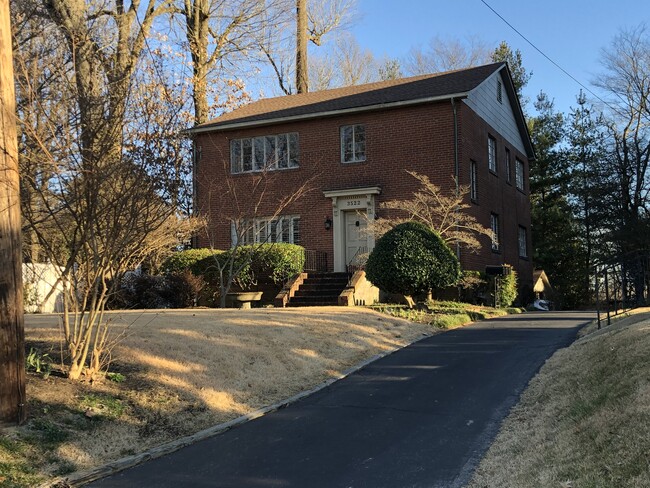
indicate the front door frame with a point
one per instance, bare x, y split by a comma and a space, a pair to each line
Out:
350, 199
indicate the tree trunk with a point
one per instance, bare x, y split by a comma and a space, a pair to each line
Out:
12, 333
302, 79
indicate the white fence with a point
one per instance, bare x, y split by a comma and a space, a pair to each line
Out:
39, 280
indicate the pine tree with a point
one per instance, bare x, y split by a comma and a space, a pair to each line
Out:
555, 234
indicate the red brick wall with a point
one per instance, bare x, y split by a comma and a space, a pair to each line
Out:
418, 138
496, 195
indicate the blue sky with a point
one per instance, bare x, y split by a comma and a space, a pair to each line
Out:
571, 32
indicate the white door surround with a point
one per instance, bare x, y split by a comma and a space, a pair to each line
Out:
357, 201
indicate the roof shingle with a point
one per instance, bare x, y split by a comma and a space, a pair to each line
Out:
414, 88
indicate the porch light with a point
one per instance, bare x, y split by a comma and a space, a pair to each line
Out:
328, 223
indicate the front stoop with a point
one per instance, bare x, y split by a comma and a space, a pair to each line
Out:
319, 289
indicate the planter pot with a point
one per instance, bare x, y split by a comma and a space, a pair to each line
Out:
243, 299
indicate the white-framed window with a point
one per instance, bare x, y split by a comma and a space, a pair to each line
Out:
266, 230
494, 225
473, 181
280, 151
519, 174
522, 240
507, 167
353, 143
492, 154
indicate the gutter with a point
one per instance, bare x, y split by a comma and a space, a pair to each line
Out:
317, 115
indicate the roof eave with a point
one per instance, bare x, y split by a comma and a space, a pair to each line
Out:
316, 115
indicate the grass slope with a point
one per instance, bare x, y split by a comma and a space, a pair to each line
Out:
178, 372
584, 420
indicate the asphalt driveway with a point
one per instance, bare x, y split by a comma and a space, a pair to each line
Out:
421, 417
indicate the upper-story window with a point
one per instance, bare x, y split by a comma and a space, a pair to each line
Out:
519, 174
496, 228
353, 143
507, 166
522, 241
264, 153
492, 154
473, 182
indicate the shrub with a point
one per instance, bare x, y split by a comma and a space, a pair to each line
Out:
139, 290
276, 262
279, 262
508, 290
186, 260
412, 259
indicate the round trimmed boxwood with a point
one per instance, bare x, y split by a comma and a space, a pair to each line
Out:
411, 259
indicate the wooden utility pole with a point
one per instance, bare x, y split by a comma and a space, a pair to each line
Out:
12, 332
302, 77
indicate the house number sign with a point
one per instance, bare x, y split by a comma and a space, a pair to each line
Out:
353, 203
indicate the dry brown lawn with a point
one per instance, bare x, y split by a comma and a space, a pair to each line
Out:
185, 371
584, 420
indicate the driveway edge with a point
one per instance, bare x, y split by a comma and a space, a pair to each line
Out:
83, 477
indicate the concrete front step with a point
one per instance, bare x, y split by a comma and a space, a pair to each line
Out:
319, 289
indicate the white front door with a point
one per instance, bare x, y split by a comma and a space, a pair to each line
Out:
356, 237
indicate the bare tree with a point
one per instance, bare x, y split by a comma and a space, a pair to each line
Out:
626, 81
104, 179
218, 34
302, 82
346, 64
443, 212
280, 45
446, 55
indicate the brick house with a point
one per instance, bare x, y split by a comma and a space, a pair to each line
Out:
353, 145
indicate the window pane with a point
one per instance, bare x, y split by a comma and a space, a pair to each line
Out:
247, 154
282, 151
519, 174
294, 154
347, 152
494, 225
262, 231
269, 152
258, 153
235, 156
285, 223
523, 248
473, 183
359, 143
492, 154
295, 230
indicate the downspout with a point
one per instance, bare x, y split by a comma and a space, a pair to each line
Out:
456, 162
196, 156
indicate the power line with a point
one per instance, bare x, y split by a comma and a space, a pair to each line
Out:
615, 109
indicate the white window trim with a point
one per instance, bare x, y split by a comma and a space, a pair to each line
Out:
239, 169
354, 129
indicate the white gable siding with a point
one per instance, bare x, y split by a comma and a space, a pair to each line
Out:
483, 100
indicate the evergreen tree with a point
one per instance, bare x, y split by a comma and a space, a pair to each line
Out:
555, 234
520, 76
589, 188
